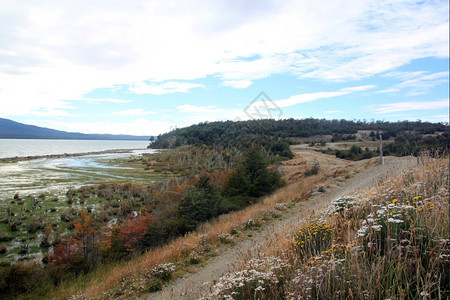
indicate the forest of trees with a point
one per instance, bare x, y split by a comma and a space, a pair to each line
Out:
277, 135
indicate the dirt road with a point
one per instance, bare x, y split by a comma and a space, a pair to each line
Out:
191, 286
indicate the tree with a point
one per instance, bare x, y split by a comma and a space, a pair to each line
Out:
199, 204
133, 230
85, 236
252, 177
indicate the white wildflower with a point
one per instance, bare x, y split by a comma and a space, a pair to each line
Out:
377, 227
395, 221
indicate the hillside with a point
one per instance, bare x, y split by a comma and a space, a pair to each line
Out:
190, 221
365, 175
407, 137
260, 237
13, 130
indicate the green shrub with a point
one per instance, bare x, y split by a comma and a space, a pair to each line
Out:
315, 169
155, 286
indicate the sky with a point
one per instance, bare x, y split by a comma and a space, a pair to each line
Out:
147, 67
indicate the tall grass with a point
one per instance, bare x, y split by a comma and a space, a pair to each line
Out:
109, 280
386, 242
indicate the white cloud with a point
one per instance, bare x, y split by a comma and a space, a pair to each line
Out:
133, 112
297, 99
263, 107
163, 88
389, 90
188, 108
332, 111
55, 113
54, 52
238, 84
196, 114
409, 105
404, 75
359, 88
108, 100
416, 83
304, 98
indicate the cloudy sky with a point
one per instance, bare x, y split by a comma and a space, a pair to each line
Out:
144, 67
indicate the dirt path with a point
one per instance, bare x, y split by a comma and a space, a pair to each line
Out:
190, 286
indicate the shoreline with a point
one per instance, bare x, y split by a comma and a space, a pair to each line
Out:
33, 157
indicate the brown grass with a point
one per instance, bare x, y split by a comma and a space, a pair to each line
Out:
108, 277
405, 262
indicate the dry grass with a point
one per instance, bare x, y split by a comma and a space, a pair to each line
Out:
388, 241
106, 278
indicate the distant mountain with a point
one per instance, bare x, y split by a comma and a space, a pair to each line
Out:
13, 130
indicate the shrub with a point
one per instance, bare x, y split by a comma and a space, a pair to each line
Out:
313, 239
194, 258
164, 271
66, 217
5, 238
341, 204
225, 238
154, 286
16, 279
13, 225
260, 279
315, 169
35, 224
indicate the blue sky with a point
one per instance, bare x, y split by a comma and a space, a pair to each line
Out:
145, 67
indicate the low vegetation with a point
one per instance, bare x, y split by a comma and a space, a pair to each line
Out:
386, 242
118, 239
132, 218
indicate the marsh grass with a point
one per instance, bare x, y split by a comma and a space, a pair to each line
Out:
25, 207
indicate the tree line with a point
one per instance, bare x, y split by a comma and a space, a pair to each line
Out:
276, 135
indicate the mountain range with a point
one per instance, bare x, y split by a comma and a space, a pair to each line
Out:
14, 130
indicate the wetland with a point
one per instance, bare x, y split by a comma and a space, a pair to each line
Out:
38, 204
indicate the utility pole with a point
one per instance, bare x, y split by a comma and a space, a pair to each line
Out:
381, 151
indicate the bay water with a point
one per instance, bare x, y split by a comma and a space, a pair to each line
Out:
33, 147
56, 174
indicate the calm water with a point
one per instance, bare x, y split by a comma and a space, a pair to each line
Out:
57, 174
28, 147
